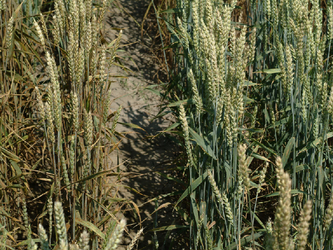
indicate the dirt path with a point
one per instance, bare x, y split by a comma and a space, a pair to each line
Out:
139, 152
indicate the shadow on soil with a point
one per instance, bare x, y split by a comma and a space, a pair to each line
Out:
128, 16
147, 157
144, 154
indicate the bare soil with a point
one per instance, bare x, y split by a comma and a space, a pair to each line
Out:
141, 152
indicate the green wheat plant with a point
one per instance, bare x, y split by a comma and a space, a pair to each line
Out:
214, 53
294, 99
252, 85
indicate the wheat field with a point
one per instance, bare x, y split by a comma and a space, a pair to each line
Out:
251, 93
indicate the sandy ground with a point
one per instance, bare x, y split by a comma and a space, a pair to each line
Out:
139, 151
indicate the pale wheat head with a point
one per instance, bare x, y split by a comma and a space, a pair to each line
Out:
183, 120
60, 223
283, 212
328, 214
43, 237
114, 240
9, 32
84, 241
39, 33
88, 128
303, 225
242, 166
135, 239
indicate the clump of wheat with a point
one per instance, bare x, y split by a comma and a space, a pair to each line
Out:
216, 54
83, 70
111, 241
